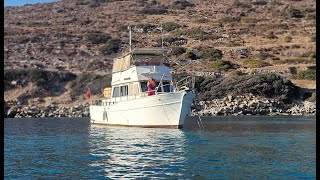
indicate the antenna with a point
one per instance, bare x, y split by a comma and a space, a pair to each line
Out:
129, 28
161, 36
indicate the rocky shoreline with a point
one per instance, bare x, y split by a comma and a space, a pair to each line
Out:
230, 105
31, 111
252, 105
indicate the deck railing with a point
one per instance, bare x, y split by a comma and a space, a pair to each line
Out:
185, 84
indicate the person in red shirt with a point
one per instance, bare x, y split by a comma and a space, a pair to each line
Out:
151, 87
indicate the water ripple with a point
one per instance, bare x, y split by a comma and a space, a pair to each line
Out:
238, 149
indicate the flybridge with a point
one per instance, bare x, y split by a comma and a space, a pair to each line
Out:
154, 56
141, 73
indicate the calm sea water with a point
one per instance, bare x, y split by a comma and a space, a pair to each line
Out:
228, 148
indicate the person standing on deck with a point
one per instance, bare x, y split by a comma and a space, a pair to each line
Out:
151, 87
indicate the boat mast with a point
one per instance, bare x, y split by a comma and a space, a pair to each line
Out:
129, 37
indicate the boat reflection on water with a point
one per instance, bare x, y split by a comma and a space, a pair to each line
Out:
138, 152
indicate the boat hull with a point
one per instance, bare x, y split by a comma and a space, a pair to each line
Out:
167, 110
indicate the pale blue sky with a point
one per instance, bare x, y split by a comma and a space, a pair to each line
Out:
23, 2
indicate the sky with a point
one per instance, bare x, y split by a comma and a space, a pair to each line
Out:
23, 2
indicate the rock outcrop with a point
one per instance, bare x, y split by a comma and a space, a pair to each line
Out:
251, 105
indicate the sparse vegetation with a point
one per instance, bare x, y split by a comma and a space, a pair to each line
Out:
296, 61
313, 38
307, 74
169, 41
195, 33
145, 27
230, 19
96, 83
43, 79
37, 24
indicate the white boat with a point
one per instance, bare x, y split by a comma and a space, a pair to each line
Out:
128, 103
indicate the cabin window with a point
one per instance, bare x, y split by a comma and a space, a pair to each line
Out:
116, 92
166, 86
144, 87
124, 90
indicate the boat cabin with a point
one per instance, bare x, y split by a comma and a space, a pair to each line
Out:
130, 81
133, 82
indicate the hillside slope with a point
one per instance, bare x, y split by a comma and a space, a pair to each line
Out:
78, 35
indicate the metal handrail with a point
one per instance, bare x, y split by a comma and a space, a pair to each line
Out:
186, 83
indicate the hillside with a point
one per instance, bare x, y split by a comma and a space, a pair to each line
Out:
77, 35
205, 36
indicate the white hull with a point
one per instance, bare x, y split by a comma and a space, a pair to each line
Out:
167, 110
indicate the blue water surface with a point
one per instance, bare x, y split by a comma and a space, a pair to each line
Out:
227, 148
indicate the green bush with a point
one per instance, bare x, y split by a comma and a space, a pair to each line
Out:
211, 53
259, 2
181, 4
271, 36
111, 46
307, 74
98, 37
313, 97
177, 50
170, 26
255, 63
219, 65
152, 11
191, 55
238, 4
288, 39
296, 13
295, 46
229, 19
263, 55
82, 2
